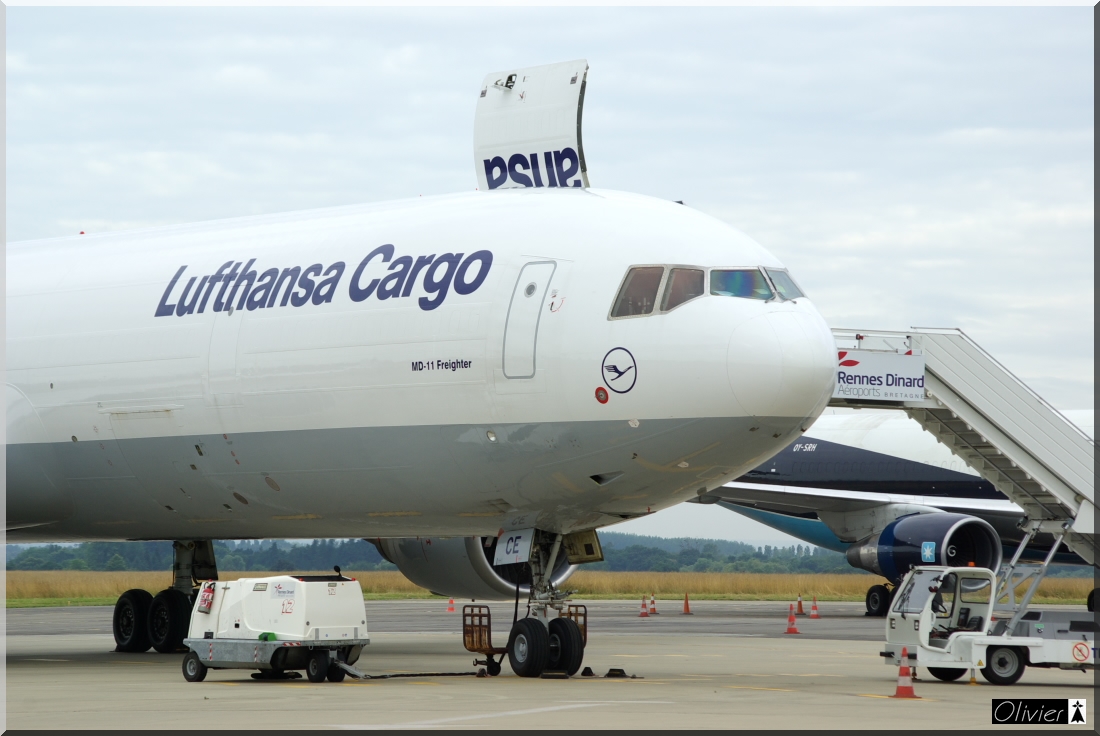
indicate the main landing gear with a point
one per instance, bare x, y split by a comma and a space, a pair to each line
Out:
142, 620
878, 599
541, 642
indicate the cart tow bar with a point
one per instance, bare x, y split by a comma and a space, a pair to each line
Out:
350, 670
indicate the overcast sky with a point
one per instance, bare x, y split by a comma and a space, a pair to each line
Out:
928, 167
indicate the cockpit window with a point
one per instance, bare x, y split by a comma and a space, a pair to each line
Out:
684, 284
638, 294
784, 284
746, 283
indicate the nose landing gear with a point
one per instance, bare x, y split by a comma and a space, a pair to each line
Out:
538, 643
564, 642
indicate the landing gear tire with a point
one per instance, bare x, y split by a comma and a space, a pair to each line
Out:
169, 617
566, 646
336, 674
1005, 665
317, 666
945, 673
528, 647
193, 668
129, 622
1090, 602
878, 600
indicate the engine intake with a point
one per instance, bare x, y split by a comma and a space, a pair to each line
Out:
955, 540
462, 567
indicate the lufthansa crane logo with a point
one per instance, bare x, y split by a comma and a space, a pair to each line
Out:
620, 372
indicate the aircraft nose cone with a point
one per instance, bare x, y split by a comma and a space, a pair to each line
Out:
781, 363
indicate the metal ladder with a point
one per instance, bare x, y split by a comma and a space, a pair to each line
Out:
998, 426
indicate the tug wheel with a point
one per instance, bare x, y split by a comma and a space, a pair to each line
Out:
336, 674
1004, 665
946, 674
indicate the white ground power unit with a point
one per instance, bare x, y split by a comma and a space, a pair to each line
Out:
316, 623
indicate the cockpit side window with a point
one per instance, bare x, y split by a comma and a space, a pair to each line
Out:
638, 294
684, 284
784, 284
747, 283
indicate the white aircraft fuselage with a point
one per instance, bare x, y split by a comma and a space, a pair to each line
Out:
437, 366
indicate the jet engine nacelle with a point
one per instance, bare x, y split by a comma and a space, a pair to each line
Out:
462, 567
928, 539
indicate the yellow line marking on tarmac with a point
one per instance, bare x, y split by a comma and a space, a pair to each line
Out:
747, 687
782, 674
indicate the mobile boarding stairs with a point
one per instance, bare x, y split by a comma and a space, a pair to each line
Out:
998, 426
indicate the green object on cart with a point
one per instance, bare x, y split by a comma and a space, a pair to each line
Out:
267, 636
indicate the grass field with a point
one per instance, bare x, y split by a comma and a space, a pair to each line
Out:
61, 588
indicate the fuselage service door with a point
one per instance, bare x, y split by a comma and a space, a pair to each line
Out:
524, 311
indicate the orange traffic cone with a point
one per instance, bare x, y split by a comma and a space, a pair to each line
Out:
451, 606
687, 606
652, 605
800, 612
645, 611
791, 628
813, 609
905, 682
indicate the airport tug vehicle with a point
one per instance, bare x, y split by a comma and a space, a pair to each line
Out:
951, 621
275, 625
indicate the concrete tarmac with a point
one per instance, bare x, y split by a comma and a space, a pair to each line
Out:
728, 666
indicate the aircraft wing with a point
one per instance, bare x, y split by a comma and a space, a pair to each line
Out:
803, 500
835, 518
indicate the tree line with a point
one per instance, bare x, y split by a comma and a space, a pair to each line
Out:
232, 556
622, 552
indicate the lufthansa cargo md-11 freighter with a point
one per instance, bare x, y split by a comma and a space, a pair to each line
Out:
433, 373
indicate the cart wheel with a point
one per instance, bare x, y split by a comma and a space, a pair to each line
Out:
1005, 665
317, 666
493, 666
336, 674
1090, 602
193, 668
945, 673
